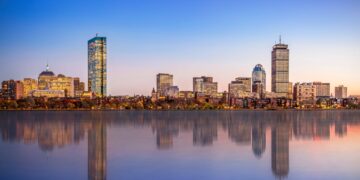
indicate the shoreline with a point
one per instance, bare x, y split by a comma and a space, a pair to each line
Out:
167, 110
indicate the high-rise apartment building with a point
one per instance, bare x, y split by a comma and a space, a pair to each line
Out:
12, 89
340, 92
163, 82
97, 71
280, 70
205, 84
259, 76
246, 81
305, 93
322, 89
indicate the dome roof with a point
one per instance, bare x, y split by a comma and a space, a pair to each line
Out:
47, 73
259, 67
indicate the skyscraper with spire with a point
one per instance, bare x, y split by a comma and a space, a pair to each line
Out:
280, 70
97, 66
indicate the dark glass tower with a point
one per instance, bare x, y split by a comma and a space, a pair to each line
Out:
97, 66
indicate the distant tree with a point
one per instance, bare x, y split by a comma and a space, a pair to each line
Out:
70, 105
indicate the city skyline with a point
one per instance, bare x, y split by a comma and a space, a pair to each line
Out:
327, 51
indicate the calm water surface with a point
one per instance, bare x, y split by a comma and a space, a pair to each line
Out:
180, 145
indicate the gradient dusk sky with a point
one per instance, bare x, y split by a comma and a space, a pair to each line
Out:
224, 39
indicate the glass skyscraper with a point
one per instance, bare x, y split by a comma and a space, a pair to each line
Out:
280, 69
259, 76
97, 66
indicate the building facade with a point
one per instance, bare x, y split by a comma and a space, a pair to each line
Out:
79, 87
29, 85
280, 70
205, 85
259, 76
12, 90
163, 81
49, 93
237, 89
258, 89
246, 81
340, 92
97, 71
172, 91
322, 89
305, 94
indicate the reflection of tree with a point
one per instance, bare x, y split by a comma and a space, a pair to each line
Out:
97, 151
280, 148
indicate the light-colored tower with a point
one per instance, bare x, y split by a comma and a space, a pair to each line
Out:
340, 92
259, 76
163, 81
280, 69
97, 66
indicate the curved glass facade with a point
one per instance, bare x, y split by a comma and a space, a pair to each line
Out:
259, 76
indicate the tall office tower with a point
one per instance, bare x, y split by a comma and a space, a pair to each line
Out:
205, 84
163, 81
340, 92
97, 66
259, 76
280, 69
322, 89
29, 86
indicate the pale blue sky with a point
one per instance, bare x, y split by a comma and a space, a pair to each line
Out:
223, 39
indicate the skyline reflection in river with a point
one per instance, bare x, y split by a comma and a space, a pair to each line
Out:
180, 145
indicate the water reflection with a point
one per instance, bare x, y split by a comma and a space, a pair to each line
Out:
97, 150
51, 130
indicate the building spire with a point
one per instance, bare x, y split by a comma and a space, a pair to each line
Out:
280, 39
47, 66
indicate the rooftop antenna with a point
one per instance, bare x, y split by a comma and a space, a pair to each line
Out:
47, 66
280, 39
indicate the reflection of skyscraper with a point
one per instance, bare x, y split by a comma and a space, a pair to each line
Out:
340, 129
164, 139
97, 151
240, 132
204, 133
322, 130
165, 132
258, 139
280, 149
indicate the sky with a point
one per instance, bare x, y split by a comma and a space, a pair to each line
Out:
224, 39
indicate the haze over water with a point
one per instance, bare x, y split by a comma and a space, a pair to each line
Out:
180, 145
